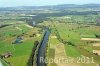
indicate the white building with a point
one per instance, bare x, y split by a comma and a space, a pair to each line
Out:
34, 23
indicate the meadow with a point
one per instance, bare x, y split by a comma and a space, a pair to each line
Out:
20, 51
72, 29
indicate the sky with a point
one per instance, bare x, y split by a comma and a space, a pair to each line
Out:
13, 3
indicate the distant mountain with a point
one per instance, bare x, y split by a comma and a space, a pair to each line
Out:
63, 6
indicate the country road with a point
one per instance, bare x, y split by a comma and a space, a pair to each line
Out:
42, 49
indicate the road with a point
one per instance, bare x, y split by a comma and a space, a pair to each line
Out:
42, 49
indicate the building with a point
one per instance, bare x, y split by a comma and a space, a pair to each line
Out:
34, 23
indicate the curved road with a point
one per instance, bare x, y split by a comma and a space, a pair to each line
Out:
42, 49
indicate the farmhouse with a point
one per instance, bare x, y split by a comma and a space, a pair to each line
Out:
96, 52
34, 23
6, 55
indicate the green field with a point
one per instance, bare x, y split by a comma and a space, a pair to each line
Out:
20, 51
74, 31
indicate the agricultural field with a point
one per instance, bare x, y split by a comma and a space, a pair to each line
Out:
72, 39
67, 33
20, 49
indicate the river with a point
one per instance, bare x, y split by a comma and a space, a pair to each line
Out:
42, 49
1, 64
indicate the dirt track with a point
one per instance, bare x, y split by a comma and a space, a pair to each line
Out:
28, 26
97, 44
90, 39
53, 36
60, 53
18, 28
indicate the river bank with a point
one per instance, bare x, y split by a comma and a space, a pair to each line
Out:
1, 64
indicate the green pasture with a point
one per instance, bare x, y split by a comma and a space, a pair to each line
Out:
20, 51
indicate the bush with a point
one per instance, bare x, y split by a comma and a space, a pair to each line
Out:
97, 36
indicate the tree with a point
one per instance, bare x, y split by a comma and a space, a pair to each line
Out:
97, 36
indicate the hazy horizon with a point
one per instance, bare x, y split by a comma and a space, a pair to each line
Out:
14, 3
